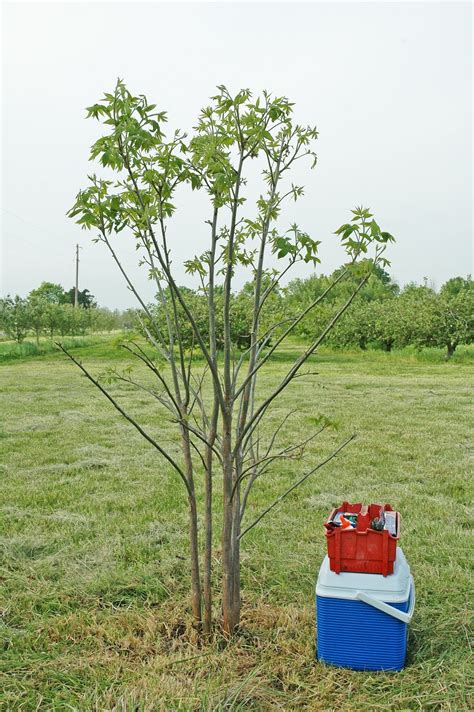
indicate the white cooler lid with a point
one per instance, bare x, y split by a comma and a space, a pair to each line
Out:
394, 588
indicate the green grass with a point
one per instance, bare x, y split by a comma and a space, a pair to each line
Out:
94, 578
12, 351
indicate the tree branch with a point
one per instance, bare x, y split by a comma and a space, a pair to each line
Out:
297, 484
128, 417
288, 331
302, 359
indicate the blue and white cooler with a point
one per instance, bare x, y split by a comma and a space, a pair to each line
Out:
362, 619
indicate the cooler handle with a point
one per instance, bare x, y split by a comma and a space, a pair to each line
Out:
386, 608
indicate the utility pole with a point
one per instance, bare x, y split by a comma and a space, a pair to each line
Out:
76, 290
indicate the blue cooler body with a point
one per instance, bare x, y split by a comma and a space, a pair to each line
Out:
362, 619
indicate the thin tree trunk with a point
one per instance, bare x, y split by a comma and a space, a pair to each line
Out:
236, 595
207, 578
228, 569
230, 621
195, 578
196, 592
237, 468
208, 522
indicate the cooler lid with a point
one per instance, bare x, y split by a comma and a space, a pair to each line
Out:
394, 588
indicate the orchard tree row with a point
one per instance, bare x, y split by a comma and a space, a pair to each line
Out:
49, 311
386, 317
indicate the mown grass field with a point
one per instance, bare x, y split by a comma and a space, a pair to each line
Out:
94, 570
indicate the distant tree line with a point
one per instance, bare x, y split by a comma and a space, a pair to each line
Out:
387, 317
240, 313
49, 311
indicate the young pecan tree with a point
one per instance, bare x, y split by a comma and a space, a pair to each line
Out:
221, 435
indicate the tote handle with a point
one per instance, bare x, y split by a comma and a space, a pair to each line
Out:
390, 610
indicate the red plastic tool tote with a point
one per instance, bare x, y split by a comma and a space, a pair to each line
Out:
362, 549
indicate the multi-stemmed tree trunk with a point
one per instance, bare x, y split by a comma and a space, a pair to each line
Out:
223, 433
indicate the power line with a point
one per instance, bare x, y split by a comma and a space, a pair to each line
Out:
38, 226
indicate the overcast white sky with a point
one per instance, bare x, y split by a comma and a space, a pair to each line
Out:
387, 84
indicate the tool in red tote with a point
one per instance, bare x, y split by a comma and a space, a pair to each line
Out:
362, 538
